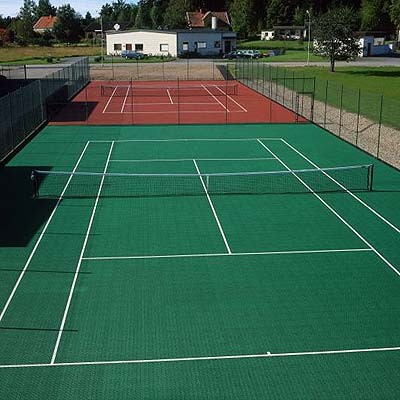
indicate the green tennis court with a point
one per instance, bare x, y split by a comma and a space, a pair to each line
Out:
194, 262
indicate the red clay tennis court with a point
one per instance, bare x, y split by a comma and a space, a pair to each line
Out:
171, 102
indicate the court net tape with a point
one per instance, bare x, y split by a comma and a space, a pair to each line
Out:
171, 90
87, 184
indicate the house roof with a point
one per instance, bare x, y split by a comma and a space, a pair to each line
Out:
197, 19
107, 26
46, 22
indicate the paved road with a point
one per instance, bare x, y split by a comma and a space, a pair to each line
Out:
362, 62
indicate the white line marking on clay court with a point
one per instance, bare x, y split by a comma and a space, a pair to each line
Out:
78, 267
212, 208
41, 236
344, 188
205, 358
124, 102
175, 112
333, 211
216, 99
170, 98
109, 101
229, 97
259, 253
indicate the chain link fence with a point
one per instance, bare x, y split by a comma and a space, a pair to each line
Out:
25, 108
367, 120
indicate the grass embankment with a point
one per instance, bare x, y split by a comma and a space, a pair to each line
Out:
39, 55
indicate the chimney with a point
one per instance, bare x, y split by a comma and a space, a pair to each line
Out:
214, 23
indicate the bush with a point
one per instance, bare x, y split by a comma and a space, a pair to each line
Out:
49, 59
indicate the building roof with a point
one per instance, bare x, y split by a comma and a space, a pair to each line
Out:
46, 22
175, 31
197, 19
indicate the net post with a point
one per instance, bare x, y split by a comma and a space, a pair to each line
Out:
370, 177
35, 184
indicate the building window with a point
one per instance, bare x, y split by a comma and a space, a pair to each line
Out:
138, 46
117, 46
201, 45
164, 47
128, 46
185, 46
217, 44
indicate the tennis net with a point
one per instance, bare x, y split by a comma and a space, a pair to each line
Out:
170, 90
87, 184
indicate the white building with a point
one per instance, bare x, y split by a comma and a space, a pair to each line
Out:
205, 42
370, 46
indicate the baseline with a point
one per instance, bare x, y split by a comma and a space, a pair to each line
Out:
268, 354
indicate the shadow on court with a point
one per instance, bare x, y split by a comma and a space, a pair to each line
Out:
22, 216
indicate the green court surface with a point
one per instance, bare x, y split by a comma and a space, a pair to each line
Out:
115, 289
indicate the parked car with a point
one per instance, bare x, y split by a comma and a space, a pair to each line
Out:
234, 54
252, 54
133, 55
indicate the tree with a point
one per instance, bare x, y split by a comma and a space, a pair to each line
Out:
395, 13
175, 14
245, 17
375, 15
88, 19
333, 33
45, 8
67, 28
27, 17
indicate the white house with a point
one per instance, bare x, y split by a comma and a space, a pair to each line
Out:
267, 35
206, 42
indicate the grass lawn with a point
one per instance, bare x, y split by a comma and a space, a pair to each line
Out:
38, 55
272, 44
373, 82
292, 56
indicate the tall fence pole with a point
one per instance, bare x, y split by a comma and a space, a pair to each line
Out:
326, 102
379, 127
341, 110
358, 115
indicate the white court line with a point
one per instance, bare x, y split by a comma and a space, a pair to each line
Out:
170, 98
229, 97
168, 104
205, 358
186, 140
213, 209
124, 102
344, 188
332, 210
198, 159
259, 253
41, 236
174, 112
109, 100
216, 99
78, 267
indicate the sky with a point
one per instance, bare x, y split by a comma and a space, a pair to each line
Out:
11, 8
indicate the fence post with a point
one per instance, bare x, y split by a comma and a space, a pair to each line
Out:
226, 102
326, 101
132, 104
358, 115
11, 120
379, 128
178, 108
340, 112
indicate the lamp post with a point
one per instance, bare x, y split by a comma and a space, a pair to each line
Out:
102, 41
309, 37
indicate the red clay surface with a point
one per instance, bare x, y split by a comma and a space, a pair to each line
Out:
214, 102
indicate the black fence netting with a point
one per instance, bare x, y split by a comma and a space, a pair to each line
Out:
27, 105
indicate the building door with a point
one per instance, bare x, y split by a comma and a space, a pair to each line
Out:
128, 46
227, 46
369, 50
